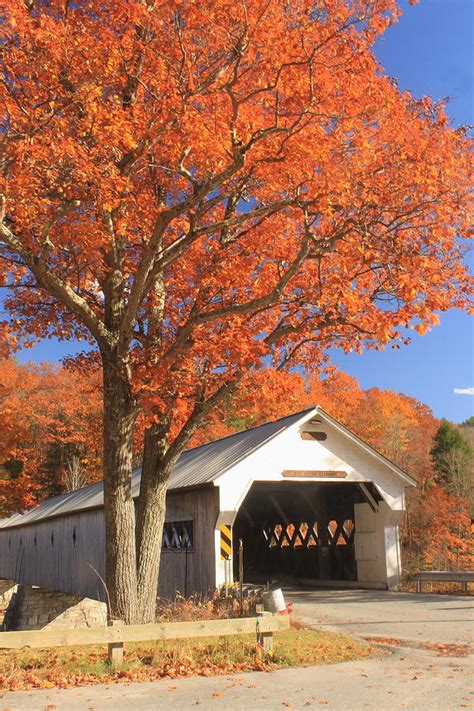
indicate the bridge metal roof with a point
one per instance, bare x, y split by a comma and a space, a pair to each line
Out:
195, 467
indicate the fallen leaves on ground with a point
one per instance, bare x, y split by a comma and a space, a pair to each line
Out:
63, 668
441, 649
448, 650
391, 641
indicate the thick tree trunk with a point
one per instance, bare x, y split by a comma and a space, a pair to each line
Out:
151, 511
121, 568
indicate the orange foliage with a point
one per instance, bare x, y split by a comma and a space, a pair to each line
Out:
437, 531
145, 173
49, 672
197, 187
400, 427
50, 423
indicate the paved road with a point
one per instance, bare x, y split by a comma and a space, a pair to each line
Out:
407, 681
411, 616
406, 678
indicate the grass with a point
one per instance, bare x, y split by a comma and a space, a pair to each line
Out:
77, 666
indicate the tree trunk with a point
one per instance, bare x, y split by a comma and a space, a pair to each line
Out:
120, 552
150, 520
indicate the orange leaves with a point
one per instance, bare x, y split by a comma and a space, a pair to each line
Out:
210, 146
441, 542
431, 319
421, 328
383, 333
50, 422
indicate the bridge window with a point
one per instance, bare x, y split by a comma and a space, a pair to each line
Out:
178, 535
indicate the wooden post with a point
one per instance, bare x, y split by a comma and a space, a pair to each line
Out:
418, 586
264, 639
115, 649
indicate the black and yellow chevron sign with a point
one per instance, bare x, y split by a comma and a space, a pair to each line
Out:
226, 542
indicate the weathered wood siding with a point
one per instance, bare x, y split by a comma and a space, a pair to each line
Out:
64, 553
57, 553
191, 571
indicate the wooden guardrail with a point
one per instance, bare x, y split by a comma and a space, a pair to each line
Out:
118, 633
444, 576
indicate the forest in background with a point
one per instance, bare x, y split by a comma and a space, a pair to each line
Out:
51, 425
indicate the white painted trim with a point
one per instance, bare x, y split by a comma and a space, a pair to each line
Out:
370, 450
344, 431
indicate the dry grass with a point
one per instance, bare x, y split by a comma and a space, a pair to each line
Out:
213, 606
154, 660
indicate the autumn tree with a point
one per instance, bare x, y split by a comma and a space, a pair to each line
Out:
197, 188
400, 427
50, 422
267, 394
439, 534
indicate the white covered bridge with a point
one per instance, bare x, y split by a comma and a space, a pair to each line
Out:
308, 499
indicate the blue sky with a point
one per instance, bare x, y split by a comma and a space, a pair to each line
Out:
430, 52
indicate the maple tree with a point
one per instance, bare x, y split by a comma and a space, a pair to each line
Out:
437, 533
195, 188
267, 394
49, 424
402, 428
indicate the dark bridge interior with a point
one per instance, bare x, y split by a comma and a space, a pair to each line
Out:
301, 530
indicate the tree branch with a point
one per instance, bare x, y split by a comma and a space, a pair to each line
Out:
57, 287
201, 409
155, 256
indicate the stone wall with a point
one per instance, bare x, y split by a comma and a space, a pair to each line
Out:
32, 608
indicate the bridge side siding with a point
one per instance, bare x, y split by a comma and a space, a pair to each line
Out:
67, 553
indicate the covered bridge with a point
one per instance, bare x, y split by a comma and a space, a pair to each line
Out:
308, 498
